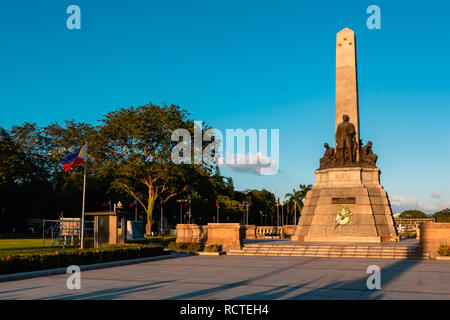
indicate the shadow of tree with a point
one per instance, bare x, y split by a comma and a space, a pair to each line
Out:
210, 291
109, 294
349, 290
357, 289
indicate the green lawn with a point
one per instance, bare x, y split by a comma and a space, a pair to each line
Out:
23, 243
8, 246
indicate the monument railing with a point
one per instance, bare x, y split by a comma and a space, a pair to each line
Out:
413, 221
265, 231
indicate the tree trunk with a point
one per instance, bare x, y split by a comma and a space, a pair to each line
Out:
148, 228
150, 205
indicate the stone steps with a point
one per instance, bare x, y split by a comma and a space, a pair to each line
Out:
330, 251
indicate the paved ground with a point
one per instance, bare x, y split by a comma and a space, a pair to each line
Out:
245, 277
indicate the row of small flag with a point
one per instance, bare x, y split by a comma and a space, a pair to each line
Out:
79, 157
158, 204
133, 203
108, 203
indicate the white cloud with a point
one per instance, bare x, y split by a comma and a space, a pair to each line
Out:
435, 195
400, 204
257, 163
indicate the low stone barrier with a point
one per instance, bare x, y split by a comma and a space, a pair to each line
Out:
229, 235
191, 233
289, 230
250, 231
432, 236
284, 232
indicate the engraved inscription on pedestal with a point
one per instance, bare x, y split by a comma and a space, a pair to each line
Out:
343, 200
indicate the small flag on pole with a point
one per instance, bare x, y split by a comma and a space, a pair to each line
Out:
106, 203
73, 158
217, 204
134, 203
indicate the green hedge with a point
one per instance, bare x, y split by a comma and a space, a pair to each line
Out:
12, 263
444, 251
194, 247
163, 240
186, 246
213, 248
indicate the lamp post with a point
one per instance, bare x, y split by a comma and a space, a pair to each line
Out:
244, 207
181, 201
278, 214
218, 207
247, 210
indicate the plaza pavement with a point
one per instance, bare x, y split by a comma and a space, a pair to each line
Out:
245, 277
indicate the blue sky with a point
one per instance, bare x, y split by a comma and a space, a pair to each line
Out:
245, 64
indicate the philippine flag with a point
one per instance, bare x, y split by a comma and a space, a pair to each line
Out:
134, 203
73, 158
106, 203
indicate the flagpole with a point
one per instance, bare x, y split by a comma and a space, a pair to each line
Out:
162, 219
84, 199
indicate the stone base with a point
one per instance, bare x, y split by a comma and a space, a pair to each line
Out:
229, 235
250, 231
433, 235
356, 188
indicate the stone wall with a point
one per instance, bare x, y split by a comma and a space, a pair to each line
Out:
191, 233
229, 235
250, 232
288, 230
432, 236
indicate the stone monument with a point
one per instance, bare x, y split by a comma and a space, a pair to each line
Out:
347, 202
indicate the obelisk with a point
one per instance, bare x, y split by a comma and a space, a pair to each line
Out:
347, 80
347, 202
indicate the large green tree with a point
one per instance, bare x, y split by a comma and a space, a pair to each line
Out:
134, 146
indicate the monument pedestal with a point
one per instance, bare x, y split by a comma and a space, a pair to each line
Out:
346, 204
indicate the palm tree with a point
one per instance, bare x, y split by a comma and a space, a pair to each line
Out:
303, 191
294, 200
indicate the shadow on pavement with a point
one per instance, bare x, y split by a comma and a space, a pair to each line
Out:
110, 294
200, 294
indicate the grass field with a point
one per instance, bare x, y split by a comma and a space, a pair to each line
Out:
23, 243
8, 246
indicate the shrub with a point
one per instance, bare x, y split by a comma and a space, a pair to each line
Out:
408, 235
186, 246
163, 240
213, 248
22, 262
444, 251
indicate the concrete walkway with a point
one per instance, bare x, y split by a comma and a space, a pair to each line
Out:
234, 277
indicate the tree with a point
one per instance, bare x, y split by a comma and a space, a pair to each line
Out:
294, 202
413, 214
262, 202
135, 146
442, 216
304, 190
